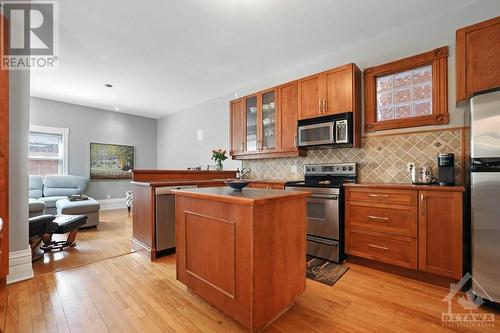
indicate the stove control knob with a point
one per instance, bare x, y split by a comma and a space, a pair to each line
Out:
350, 168
313, 169
344, 168
308, 169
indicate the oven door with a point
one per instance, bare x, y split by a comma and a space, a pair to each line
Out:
316, 134
323, 215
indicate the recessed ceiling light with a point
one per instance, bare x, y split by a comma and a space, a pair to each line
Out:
108, 85
117, 108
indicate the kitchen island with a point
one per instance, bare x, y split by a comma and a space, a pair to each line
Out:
243, 252
147, 220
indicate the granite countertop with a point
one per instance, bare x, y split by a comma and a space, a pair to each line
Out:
408, 186
250, 196
177, 182
194, 182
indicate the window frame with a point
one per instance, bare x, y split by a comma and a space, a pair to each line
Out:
438, 58
64, 132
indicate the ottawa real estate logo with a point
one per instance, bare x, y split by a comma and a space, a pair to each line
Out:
29, 35
469, 316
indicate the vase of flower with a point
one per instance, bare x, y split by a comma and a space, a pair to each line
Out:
219, 155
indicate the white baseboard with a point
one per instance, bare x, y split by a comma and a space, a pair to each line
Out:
20, 267
108, 204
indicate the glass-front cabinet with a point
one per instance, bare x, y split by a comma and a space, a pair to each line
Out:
251, 120
261, 117
268, 120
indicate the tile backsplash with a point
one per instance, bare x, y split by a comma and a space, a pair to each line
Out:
381, 158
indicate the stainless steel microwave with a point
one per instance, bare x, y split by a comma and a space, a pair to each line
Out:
333, 131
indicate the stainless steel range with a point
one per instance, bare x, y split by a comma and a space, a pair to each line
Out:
325, 207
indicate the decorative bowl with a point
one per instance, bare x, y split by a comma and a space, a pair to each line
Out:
236, 184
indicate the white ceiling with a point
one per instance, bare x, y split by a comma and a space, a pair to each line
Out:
163, 56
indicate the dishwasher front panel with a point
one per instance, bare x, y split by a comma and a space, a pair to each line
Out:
165, 217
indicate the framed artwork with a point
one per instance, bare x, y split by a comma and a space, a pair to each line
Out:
109, 161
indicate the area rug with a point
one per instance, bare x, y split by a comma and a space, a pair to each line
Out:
324, 271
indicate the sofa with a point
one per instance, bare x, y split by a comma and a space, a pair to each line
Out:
51, 193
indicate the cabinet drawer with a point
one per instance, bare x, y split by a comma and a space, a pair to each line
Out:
390, 219
274, 186
396, 250
398, 197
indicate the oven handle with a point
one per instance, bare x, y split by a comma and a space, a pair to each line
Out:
325, 196
322, 240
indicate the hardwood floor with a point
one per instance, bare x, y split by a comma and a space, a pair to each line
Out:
110, 239
130, 294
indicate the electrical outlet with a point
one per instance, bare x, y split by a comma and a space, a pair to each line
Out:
108, 196
293, 169
409, 166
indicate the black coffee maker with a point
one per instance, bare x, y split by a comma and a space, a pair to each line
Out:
446, 169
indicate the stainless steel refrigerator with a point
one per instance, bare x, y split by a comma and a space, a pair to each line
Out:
485, 194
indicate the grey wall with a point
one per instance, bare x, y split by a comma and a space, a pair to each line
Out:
406, 41
178, 145
19, 92
88, 125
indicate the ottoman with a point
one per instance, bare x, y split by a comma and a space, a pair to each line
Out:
36, 207
63, 224
89, 208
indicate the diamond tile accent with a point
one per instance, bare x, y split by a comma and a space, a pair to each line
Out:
381, 158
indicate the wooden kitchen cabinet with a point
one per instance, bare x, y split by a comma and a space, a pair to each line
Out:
288, 116
412, 226
261, 116
440, 233
237, 129
477, 58
331, 92
267, 184
268, 124
311, 96
268, 119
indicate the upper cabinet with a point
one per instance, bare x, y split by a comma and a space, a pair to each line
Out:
477, 58
264, 124
237, 123
334, 91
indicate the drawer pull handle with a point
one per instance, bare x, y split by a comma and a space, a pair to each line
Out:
371, 217
378, 195
378, 247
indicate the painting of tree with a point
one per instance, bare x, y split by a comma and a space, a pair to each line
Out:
108, 161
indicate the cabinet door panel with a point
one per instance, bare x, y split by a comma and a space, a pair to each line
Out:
251, 129
310, 97
288, 115
339, 91
440, 233
237, 127
477, 60
268, 128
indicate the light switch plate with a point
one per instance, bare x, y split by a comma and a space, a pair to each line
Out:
409, 166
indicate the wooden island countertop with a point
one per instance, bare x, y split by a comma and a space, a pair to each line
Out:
243, 252
248, 196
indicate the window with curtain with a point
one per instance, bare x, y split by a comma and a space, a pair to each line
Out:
47, 151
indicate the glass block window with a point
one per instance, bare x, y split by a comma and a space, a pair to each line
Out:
405, 94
